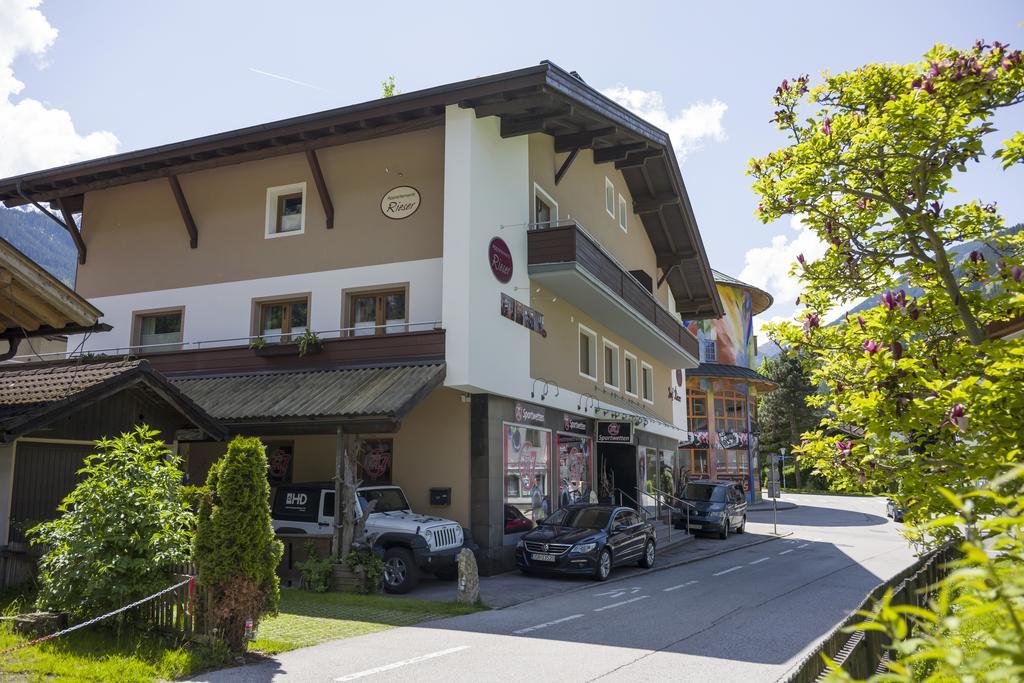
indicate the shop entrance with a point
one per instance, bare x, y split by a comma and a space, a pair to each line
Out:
617, 463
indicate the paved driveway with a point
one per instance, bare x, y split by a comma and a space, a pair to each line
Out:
746, 615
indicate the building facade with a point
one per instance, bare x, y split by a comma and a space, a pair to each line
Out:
721, 393
479, 287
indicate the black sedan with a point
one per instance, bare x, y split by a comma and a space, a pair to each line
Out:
587, 539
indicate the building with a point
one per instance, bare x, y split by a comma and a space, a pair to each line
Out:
721, 393
479, 286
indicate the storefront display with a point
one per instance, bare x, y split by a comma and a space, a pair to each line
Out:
527, 464
375, 463
575, 469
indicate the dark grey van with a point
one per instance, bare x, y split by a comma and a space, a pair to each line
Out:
716, 507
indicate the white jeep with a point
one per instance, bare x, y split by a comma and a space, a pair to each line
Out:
408, 542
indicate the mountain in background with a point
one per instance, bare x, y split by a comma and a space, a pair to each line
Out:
42, 240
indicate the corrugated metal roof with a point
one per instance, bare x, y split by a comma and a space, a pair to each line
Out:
762, 299
736, 372
387, 392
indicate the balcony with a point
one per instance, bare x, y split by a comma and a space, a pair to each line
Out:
571, 263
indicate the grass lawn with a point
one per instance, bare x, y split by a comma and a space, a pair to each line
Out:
311, 618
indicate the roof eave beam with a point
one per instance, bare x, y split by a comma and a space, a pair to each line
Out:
565, 165
186, 213
618, 152
72, 228
321, 187
637, 158
582, 140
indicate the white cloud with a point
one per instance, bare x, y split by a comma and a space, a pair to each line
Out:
689, 129
32, 135
769, 268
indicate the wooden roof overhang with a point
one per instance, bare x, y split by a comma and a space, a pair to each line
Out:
538, 99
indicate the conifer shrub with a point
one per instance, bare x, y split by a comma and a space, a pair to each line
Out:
235, 551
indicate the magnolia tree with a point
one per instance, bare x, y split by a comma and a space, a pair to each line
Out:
870, 168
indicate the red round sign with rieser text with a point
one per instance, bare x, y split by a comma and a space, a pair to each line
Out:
500, 258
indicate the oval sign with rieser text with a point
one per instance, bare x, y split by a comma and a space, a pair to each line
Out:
500, 258
401, 202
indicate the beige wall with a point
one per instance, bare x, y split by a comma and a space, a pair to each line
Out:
138, 242
556, 357
580, 195
431, 449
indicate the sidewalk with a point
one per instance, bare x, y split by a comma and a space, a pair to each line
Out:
766, 505
513, 588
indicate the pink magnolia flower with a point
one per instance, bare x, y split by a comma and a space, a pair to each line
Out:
861, 322
801, 259
1017, 272
826, 126
872, 346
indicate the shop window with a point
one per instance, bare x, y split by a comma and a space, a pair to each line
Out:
609, 197
610, 352
286, 210
161, 329
710, 351
527, 464
279, 463
375, 461
647, 382
545, 209
630, 367
623, 221
698, 461
282, 320
378, 312
575, 469
588, 353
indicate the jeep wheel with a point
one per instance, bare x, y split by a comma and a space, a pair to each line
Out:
400, 572
448, 573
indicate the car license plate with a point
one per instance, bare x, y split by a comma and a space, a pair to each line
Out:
541, 557
695, 526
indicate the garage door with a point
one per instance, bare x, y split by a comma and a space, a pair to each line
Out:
44, 473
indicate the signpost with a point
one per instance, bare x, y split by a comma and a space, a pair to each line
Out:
773, 490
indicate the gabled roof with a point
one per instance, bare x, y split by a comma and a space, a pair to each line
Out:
32, 397
331, 395
538, 99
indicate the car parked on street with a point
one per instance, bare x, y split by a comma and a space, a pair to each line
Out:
716, 507
408, 542
589, 540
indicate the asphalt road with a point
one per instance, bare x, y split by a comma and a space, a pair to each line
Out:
748, 615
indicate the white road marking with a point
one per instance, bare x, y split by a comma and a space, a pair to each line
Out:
786, 551
546, 624
620, 604
726, 571
682, 585
804, 545
404, 662
763, 559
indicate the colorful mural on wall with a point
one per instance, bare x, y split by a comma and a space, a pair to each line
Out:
733, 332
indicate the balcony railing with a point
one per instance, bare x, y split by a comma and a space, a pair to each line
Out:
569, 242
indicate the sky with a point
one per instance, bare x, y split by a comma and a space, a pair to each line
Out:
80, 80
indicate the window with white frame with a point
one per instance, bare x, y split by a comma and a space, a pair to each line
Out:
286, 210
647, 382
630, 366
710, 351
611, 364
588, 353
623, 221
545, 208
609, 197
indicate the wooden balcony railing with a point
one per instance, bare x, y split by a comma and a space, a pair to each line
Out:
569, 242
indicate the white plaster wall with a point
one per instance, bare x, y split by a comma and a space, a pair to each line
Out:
224, 310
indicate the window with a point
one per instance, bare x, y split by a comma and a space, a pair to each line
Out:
280, 320
622, 213
697, 410
545, 209
647, 382
631, 376
374, 467
611, 364
588, 353
730, 412
710, 351
609, 197
286, 210
527, 464
159, 328
379, 312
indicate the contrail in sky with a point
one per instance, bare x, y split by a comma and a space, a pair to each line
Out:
289, 80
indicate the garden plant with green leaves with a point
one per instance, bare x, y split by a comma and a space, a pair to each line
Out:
871, 168
121, 531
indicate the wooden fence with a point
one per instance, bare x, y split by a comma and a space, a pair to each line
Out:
863, 653
181, 612
16, 568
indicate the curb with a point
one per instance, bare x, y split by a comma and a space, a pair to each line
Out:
657, 568
783, 505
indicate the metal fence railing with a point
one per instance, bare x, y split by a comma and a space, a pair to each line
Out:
863, 653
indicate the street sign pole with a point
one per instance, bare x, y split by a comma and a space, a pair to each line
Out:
773, 490
782, 458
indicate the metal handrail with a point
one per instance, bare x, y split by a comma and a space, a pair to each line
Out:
639, 507
679, 500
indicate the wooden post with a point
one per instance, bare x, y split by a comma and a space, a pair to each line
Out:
339, 490
349, 490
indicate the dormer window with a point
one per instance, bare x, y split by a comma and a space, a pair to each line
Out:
286, 210
710, 351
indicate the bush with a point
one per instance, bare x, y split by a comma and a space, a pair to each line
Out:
121, 531
370, 564
316, 570
235, 551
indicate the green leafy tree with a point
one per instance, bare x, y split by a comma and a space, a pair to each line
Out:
870, 167
235, 550
783, 414
389, 88
121, 530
